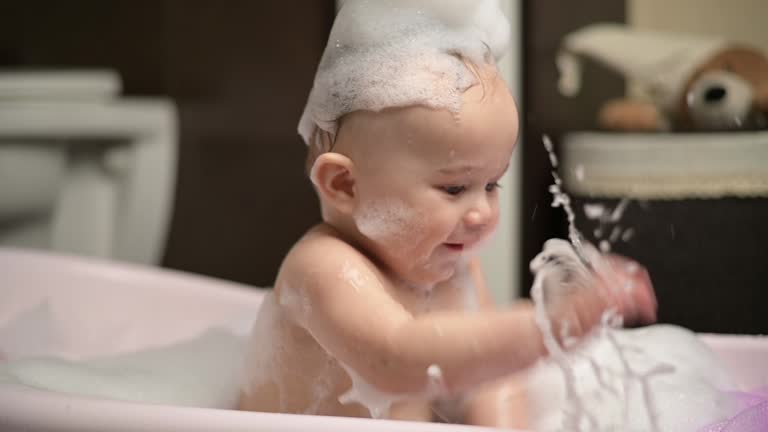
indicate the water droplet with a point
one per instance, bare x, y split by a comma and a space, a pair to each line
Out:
615, 233
594, 211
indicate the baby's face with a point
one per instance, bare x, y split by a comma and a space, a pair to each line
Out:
426, 179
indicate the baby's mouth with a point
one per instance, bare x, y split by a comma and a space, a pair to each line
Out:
458, 247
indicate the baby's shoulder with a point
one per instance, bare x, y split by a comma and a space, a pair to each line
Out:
322, 251
324, 270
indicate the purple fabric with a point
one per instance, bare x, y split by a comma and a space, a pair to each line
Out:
752, 417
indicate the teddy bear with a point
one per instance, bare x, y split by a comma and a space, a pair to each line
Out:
676, 82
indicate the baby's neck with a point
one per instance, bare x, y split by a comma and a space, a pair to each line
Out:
346, 230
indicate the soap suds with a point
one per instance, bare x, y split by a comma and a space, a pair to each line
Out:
395, 53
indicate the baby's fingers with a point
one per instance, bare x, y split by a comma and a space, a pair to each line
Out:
631, 283
644, 298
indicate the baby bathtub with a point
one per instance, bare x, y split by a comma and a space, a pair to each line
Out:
98, 297
163, 307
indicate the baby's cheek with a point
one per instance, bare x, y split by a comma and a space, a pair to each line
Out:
389, 221
442, 223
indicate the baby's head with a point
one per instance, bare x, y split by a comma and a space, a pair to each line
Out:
413, 179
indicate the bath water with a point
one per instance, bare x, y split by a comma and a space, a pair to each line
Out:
204, 371
561, 199
616, 365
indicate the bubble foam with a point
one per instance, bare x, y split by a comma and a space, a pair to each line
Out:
395, 53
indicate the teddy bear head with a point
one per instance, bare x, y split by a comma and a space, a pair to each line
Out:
727, 91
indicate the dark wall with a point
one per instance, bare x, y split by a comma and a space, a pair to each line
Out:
707, 258
239, 72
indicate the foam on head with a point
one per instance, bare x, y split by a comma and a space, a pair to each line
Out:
396, 53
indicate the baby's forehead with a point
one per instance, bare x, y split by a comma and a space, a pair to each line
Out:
402, 129
429, 139
482, 107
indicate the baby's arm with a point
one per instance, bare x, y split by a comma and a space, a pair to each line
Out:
355, 317
503, 403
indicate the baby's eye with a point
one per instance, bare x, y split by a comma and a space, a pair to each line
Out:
490, 187
453, 190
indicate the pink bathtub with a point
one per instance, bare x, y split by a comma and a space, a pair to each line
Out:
164, 307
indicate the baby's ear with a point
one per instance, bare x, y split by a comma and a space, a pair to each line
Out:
333, 177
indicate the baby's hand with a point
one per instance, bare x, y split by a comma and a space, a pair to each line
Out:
576, 297
629, 287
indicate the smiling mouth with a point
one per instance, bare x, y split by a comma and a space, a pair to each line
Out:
455, 246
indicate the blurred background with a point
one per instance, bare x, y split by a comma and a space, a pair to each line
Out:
238, 74
690, 213
181, 138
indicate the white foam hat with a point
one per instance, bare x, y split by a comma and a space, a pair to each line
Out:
395, 53
661, 63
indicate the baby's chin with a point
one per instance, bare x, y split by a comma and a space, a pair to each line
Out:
427, 280
433, 272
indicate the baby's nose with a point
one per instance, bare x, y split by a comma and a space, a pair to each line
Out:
479, 215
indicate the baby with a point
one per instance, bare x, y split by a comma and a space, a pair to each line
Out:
381, 310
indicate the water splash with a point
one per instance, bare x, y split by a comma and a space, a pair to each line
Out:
379, 403
561, 199
608, 221
577, 415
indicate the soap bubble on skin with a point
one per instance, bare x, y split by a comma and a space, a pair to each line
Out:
295, 300
385, 220
463, 281
399, 227
322, 388
379, 402
354, 276
259, 363
359, 277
